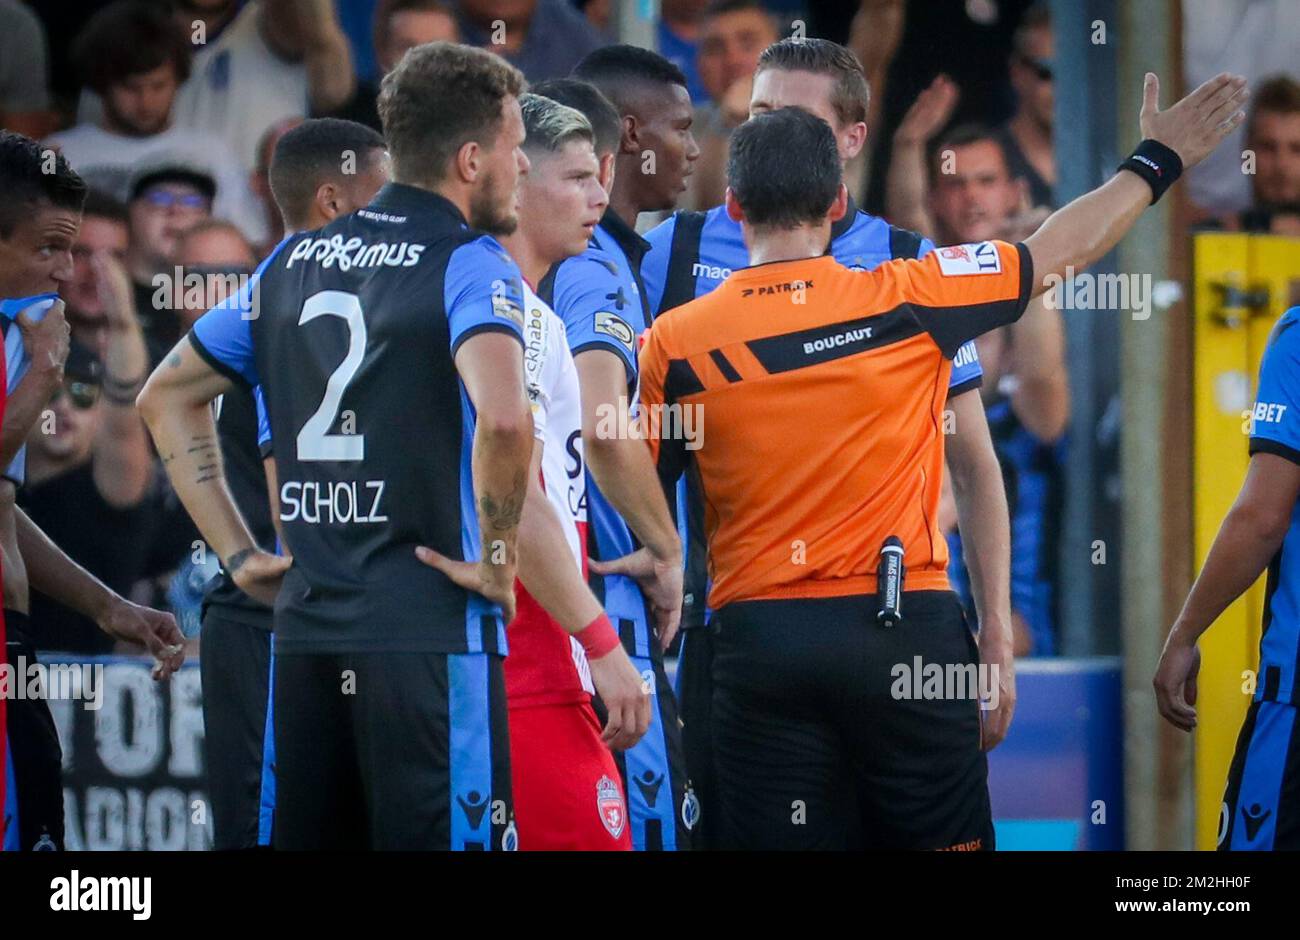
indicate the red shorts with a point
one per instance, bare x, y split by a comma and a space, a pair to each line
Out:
567, 792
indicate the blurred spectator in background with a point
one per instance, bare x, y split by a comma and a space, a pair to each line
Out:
1027, 137
399, 25
217, 252
256, 64
24, 72
103, 230
599, 13
968, 40
1254, 38
167, 200
261, 183
732, 36
1273, 135
90, 466
134, 56
542, 38
678, 35
973, 194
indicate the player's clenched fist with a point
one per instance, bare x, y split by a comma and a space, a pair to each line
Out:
1199, 122
626, 697
46, 340
496, 582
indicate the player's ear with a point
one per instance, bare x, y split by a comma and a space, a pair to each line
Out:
608, 163
840, 205
853, 140
467, 161
734, 212
327, 200
630, 142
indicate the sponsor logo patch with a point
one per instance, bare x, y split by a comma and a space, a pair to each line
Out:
977, 258
613, 325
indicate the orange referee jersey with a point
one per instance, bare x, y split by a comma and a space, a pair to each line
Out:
817, 394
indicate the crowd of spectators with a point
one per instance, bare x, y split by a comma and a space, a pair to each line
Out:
171, 110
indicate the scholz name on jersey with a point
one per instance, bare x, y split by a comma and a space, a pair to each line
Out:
332, 503
355, 253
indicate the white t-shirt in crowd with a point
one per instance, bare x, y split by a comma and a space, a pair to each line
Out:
107, 161
239, 89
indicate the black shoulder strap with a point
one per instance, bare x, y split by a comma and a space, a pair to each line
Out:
546, 287
679, 282
903, 243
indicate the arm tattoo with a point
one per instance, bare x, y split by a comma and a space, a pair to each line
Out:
504, 515
174, 361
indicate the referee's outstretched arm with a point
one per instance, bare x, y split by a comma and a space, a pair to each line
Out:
1179, 137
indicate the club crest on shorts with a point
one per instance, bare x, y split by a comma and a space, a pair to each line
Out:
690, 808
609, 803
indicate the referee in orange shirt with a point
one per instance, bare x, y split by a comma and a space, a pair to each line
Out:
819, 392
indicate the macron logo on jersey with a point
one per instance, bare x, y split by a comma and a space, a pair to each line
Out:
711, 271
963, 260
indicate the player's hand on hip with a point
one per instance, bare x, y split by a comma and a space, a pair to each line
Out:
47, 340
1198, 123
660, 582
1175, 682
152, 629
626, 697
496, 582
259, 574
998, 655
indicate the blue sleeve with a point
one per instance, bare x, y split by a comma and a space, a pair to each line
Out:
263, 423
483, 291
224, 335
1275, 419
927, 246
967, 373
654, 266
583, 288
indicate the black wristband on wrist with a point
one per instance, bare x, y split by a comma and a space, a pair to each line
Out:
1157, 164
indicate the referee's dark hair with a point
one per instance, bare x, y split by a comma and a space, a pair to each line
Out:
586, 97
773, 189
619, 71
314, 153
25, 182
850, 95
439, 97
130, 37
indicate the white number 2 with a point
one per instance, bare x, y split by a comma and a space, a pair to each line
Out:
314, 440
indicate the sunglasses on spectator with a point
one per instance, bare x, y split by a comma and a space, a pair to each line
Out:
82, 395
1042, 70
164, 199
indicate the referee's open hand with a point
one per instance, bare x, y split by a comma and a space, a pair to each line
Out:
1199, 122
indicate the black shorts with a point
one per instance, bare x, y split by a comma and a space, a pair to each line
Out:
1261, 808
819, 743
392, 751
36, 798
235, 666
695, 699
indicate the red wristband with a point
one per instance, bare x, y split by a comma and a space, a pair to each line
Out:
598, 637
